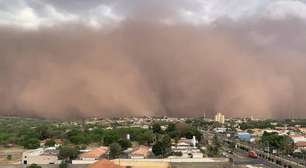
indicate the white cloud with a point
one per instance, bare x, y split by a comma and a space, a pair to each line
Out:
286, 8
24, 14
102, 15
56, 16
207, 11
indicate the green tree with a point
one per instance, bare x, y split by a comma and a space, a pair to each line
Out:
171, 127
172, 131
43, 132
156, 128
9, 157
145, 137
63, 164
162, 147
30, 143
192, 131
280, 142
79, 139
287, 146
110, 138
50, 142
124, 143
158, 149
114, 150
68, 152
216, 141
213, 150
166, 140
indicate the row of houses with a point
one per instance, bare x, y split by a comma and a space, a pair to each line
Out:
186, 147
50, 155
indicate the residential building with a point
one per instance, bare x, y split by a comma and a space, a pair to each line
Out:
188, 148
94, 154
297, 138
40, 156
219, 117
300, 145
140, 152
299, 141
220, 130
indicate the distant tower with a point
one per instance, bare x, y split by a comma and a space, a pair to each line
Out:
194, 141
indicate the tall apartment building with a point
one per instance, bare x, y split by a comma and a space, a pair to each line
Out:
219, 117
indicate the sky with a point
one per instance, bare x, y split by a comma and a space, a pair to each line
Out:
63, 58
32, 14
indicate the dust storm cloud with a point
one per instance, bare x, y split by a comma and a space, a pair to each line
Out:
140, 67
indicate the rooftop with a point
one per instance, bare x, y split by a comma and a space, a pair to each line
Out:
141, 150
95, 153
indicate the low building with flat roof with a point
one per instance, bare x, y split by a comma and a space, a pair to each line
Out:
40, 156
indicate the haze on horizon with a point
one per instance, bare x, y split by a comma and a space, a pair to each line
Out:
76, 58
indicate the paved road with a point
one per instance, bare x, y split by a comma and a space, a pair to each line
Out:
241, 158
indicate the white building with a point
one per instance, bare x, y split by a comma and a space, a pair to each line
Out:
40, 156
219, 117
298, 138
220, 130
188, 148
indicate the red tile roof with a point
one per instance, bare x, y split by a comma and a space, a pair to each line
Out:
300, 144
296, 135
96, 153
141, 150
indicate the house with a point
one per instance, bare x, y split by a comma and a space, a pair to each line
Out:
140, 152
297, 138
104, 164
299, 141
94, 154
300, 145
220, 130
40, 156
303, 130
187, 148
